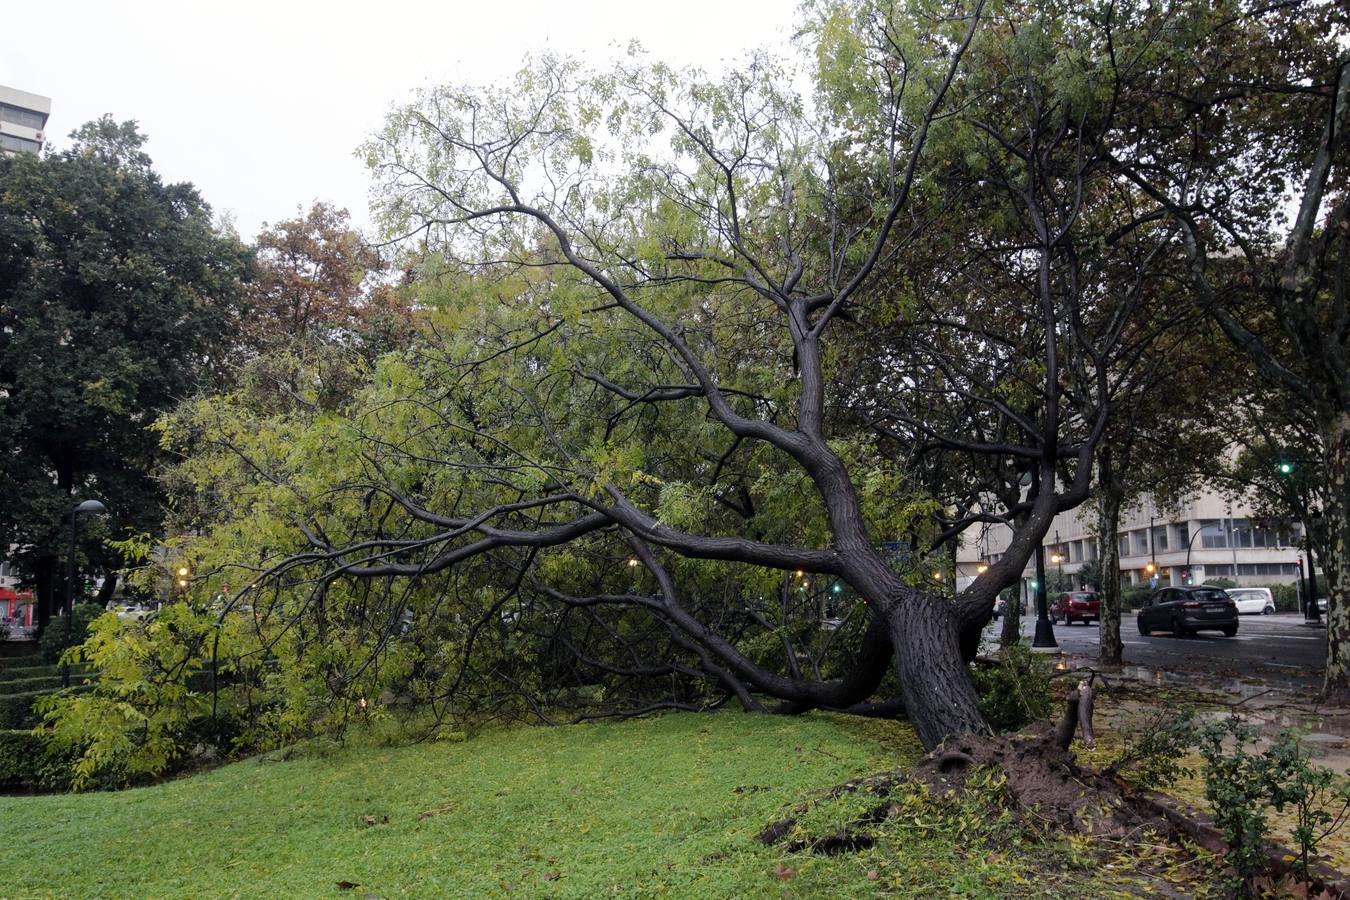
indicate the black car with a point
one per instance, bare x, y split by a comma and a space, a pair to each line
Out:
1186, 610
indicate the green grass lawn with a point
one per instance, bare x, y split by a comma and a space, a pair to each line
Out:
667, 805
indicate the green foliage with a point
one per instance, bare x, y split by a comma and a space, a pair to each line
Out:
32, 671
1155, 754
118, 299
1241, 785
1285, 596
1237, 788
1293, 781
24, 710
19, 662
29, 761
148, 707
1015, 689
53, 641
1224, 583
1134, 598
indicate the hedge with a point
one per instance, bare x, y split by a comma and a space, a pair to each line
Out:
17, 674
29, 761
16, 710
41, 683
20, 662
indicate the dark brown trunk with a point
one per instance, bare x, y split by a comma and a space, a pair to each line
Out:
1336, 558
1108, 523
44, 587
940, 700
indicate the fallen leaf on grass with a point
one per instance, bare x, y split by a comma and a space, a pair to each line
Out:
784, 871
372, 820
873, 874
552, 876
347, 885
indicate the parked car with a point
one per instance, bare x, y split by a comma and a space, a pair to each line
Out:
1253, 600
1076, 606
1186, 610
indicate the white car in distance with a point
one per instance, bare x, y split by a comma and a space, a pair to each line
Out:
1253, 600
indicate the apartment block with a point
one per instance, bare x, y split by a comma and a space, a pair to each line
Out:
23, 118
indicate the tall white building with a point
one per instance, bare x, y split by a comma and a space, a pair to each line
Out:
23, 119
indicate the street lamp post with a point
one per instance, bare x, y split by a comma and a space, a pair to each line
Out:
89, 506
1191, 543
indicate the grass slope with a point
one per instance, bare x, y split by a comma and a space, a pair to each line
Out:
641, 808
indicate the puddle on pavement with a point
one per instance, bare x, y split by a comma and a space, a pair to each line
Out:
1271, 705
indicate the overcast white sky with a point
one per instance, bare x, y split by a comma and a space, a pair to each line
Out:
261, 104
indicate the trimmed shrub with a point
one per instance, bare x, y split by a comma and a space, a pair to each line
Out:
16, 710
15, 673
53, 640
20, 662
29, 761
1286, 597
1134, 598
41, 683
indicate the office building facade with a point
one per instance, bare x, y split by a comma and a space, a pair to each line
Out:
23, 121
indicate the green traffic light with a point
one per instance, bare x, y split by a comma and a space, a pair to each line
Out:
836, 588
1286, 468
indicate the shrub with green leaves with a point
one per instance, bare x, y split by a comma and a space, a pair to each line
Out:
29, 761
1014, 690
143, 715
53, 640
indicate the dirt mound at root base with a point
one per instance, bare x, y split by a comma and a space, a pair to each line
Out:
1041, 783
1044, 784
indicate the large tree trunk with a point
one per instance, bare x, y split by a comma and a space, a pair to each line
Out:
1336, 558
940, 700
44, 590
1108, 524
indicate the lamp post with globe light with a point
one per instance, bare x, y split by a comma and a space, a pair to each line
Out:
89, 506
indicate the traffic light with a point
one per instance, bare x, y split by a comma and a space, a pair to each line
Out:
1150, 568
837, 587
1285, 467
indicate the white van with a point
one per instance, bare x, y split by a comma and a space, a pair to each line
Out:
1253, 600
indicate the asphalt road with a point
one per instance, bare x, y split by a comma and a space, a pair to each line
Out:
1279, 645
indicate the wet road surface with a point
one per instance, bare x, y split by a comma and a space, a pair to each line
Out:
1279, 647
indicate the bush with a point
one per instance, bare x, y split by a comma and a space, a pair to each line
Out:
19, 662
17, 673
1134, 598
1286, 597
53, 640
1015, 690
41, 683
29, 761
16, 710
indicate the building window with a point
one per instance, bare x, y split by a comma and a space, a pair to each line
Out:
1213, 535
1266, 569
19, 145
1140, 541
1226, 569
1182, 533
1123, 545
1160, 538
19, 116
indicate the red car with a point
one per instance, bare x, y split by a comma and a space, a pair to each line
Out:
1076, 606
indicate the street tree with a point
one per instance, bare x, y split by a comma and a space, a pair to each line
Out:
1228, 140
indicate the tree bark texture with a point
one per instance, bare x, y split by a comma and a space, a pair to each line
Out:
1336, 558
1108, 524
